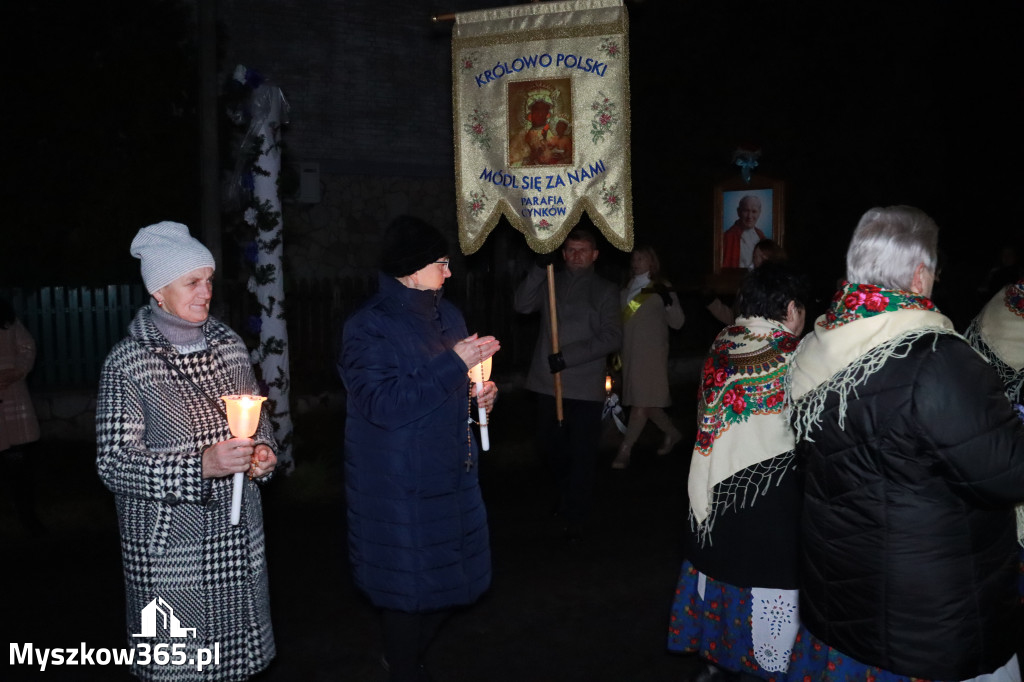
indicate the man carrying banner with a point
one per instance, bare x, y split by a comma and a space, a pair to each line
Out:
589, 328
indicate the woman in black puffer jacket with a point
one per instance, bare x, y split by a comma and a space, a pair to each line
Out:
914, 460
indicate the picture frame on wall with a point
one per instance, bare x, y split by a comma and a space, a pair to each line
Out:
745, 213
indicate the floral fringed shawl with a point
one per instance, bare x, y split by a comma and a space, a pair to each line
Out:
863, 328
742, 426
998, 334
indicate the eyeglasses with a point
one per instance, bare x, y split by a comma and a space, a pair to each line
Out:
445, 264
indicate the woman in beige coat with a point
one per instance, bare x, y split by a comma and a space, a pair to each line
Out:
649, 308
18, 423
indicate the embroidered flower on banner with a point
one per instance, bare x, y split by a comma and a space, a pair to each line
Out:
605, 118
477, 130
543, 225
477, 203
610, 197
468, 61
611, 48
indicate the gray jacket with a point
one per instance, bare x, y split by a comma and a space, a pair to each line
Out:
589, 329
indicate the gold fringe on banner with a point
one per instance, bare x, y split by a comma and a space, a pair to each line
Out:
541, 113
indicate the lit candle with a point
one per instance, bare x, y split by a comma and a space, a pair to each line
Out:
608, 384
243, 418
479, 374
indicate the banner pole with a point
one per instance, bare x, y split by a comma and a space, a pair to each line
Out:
554, 340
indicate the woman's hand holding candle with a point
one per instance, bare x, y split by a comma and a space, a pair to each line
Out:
485, 398
228, 457
476, 352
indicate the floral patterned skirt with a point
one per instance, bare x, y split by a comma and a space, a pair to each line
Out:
740, 629
815, 661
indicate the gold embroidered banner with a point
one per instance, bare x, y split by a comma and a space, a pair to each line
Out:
541, 106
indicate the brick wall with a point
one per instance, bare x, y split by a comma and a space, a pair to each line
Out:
340, 234
369, 89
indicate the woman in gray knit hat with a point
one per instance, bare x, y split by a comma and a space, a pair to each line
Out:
195, 584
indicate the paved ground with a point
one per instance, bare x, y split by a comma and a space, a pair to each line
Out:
594, 612
589, 613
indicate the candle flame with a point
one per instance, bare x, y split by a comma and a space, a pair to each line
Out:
243, 413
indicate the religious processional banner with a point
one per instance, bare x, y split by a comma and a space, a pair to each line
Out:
541, 107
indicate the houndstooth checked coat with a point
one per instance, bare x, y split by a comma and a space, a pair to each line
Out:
176, 539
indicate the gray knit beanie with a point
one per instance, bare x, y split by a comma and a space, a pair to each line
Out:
167, 252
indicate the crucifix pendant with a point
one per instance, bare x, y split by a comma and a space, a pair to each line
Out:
469, 463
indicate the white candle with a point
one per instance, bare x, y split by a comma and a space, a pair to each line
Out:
236, 498
243, 419
479, 374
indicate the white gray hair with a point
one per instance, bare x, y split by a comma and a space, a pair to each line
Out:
748, 198
888, 245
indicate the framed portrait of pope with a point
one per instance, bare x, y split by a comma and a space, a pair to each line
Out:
746, 214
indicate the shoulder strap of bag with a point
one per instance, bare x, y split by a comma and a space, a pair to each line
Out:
210, 399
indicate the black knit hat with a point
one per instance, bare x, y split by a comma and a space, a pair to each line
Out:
409, 244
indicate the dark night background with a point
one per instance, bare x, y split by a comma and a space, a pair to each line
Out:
852, 105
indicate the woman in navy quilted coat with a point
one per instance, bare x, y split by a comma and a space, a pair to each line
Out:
417, 527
